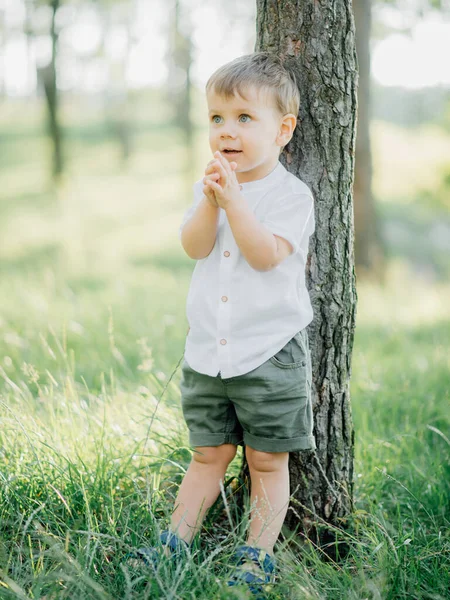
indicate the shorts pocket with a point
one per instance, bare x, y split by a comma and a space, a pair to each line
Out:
294, 354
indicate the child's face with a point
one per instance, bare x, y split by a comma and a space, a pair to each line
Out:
252, 127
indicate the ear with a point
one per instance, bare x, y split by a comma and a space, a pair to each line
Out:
287, 126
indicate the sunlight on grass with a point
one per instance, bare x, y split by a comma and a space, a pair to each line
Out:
403, 299
93, 445
407, 161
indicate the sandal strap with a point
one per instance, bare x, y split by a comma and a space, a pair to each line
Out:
247, 577
173, 541
147, 555
267, 563
150, 555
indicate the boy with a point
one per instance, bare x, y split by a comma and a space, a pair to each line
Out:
246, 375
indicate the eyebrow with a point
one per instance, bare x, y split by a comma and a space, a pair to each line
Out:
238, 110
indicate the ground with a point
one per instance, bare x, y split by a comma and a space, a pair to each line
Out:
92, 328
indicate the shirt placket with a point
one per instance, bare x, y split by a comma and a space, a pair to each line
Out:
227, 259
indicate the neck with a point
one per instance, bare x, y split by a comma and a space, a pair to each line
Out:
245, 177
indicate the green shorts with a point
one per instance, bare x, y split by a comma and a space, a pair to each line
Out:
268, 409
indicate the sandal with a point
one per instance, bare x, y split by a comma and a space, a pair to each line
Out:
262, 560
150, 556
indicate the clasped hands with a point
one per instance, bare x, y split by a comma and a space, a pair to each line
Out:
221, 187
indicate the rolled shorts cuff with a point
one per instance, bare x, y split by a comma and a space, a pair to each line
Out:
214, 439
304, 442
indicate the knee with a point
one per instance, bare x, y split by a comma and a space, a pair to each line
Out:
215, 455
266, 462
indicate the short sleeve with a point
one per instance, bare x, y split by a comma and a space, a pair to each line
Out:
198, 195
292, 218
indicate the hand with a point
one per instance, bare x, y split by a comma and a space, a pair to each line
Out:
212, 174
211, 171
210, 196
221, 180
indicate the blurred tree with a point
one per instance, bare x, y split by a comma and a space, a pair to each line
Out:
410, 107
47, 77
179, 69
316, 39
368, 244
369, 250
181, 50
118, 15
3, 41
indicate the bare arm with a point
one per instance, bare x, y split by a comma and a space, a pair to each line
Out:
260, 248
198, 235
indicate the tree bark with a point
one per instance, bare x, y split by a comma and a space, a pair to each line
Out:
368, 247
316, 39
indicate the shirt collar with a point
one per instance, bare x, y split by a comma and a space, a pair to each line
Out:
259, 184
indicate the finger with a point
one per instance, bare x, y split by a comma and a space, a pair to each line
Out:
209, 193
213, 167
221, 169
233, 165
210, 162
214, 176
210, 168
215, 186
223, 161
205, 184
210, 197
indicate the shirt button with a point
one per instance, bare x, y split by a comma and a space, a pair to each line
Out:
224, 299
226, 253
223, 342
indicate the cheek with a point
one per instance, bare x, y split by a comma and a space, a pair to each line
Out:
212, 138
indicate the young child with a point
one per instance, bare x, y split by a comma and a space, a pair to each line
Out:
246, 375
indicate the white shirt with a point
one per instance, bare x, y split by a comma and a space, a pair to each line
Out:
240, 317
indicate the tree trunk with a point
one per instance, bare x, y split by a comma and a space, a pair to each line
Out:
48, 77
317, 40
179, 79
3, 45
367, 245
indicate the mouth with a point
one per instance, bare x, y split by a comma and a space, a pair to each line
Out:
231, 152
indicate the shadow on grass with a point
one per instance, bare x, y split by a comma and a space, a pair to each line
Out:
33, 259
92, 132
87, 283
419, 234
26, 147
43, 199
389, 336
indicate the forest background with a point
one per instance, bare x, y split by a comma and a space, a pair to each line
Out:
103, 131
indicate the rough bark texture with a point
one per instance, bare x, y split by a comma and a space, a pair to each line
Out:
368, 247
317, 40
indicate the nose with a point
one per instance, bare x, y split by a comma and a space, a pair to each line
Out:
227, 132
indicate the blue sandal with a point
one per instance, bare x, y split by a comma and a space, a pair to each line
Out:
262, 559
150, 556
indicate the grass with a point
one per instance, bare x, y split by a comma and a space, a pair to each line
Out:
92, 442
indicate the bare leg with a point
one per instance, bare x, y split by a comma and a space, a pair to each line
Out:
269, 472
200, 488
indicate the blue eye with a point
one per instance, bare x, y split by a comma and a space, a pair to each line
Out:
216, 119
246, 117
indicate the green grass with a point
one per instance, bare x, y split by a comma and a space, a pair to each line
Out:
93, 446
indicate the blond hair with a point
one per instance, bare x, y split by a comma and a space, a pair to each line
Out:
263, 70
